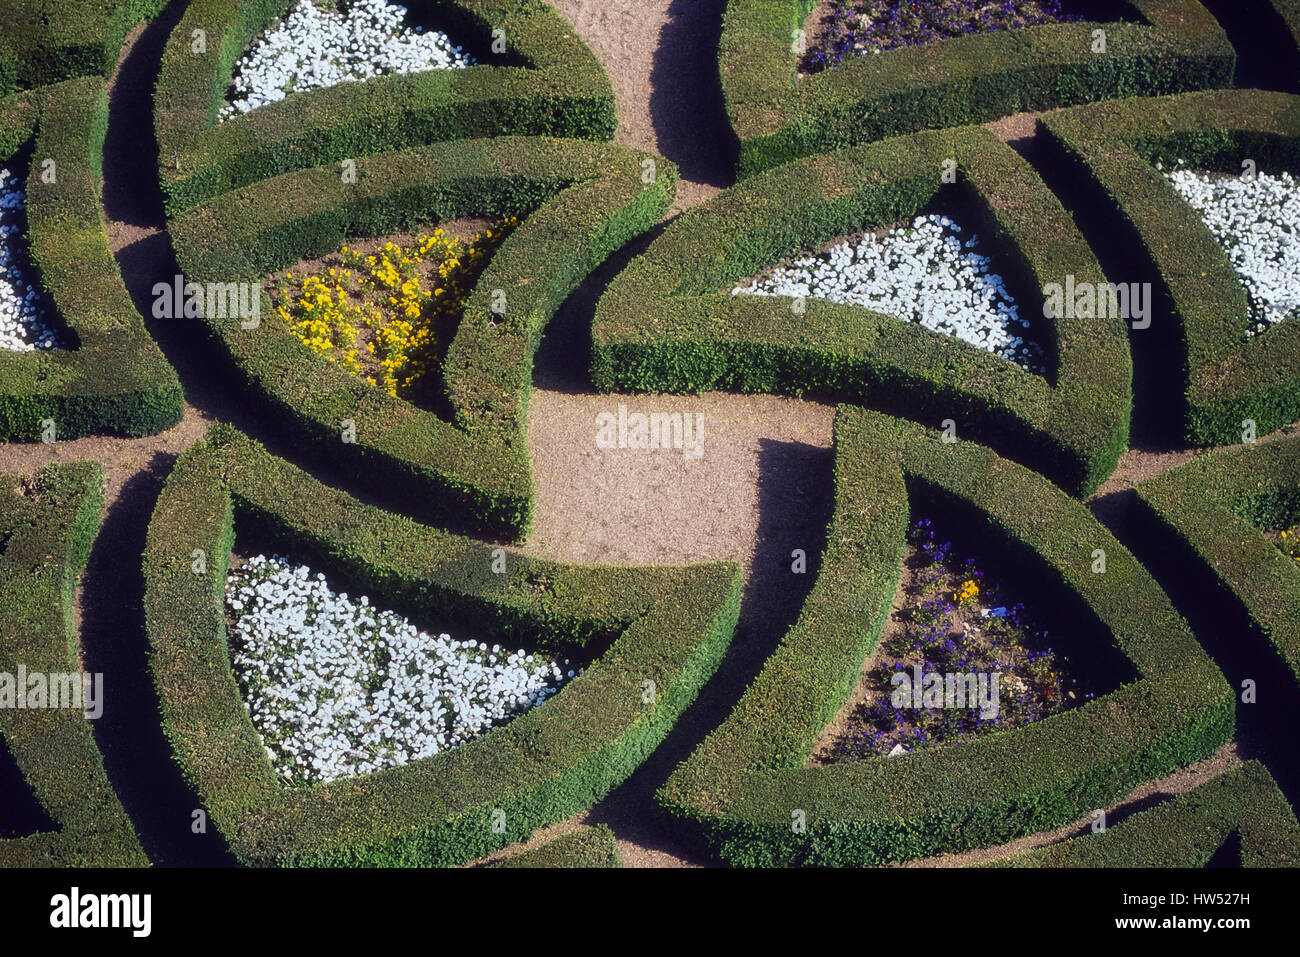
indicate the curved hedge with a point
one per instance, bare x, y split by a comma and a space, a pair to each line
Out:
561, 90
115, 379
1113, 147
582, 201
665, 625
48, 531
42, 45
667, 322
1188, 830
1211, 512
777, 116
590, 847
744, 783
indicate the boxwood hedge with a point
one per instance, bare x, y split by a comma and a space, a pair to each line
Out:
1113, 147
44, 44
746, 784
668, 322
777, 115
1189, 830
115, 379
666, 630
582, 200
1212, 513
48, 530
590, 847
549, 84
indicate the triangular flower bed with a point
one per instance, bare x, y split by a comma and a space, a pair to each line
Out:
664, 631
1226, 379
577, 202
670, 323
747, 787
546, 83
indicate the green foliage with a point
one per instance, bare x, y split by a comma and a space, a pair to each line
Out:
590, 847
549, 84
45, 43
48, 531
665, 625
669, 323
743, 785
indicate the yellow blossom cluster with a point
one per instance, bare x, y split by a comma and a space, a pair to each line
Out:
379, 315
969, 589
1291, 543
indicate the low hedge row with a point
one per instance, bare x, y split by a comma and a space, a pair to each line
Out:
558, 89
777, 116
668, 322
50, 526
1188, 830
669, 626
582, 200
115, 379
1212, 510
1113, 147
745, 786
590, 847
44, 45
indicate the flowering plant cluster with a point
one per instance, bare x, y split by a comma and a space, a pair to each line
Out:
1289, 541
956, 622
865, 27
313, 47
23, 323
924, 274
1254, 219
337, 688
380, 315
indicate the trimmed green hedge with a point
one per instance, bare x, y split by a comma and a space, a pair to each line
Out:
590, 847
668, 322
45, 42
561, 90
116, 379
669, 626
1188, 830
49, 530
581, 201
1211, 512
777, 116
747, 780
1113, 147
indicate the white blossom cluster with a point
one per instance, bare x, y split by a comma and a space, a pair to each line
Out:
22, 316
314, 48
1256, 221
337, 688
924, 274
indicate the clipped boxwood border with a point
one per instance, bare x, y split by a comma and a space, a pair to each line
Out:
1113, 147
49, 535
1210, 512
745, 782
669, 626
1188, 830
46, 43
563, 91
582, 201
663, 324
590, 847
776, 116
116, 379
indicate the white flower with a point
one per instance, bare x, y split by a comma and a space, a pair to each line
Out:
23, 320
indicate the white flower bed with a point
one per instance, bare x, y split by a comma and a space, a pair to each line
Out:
1256, 222
923, 274
337, 688
22, 318
313, 48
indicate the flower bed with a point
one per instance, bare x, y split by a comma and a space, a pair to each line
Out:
1254, 220
23, 317
313, 48
336, 687
852, 28
955, 622
927, 274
